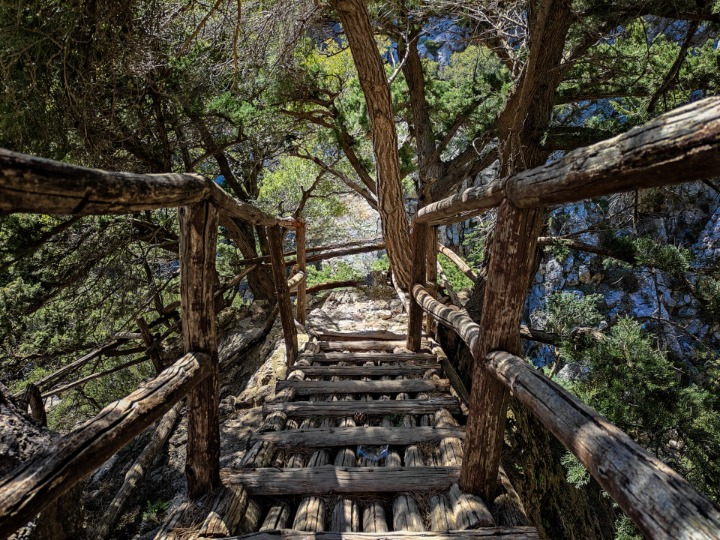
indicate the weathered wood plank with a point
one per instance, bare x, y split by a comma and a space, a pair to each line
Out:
499, 533
366, 371
39, 481
328, 334
679, 146
305, 409
198, 250
377, 345
309, 388
362, 357
658, 500
344, 436
295, 281
329, 479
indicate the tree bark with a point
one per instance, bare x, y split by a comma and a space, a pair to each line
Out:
356, 22
522, 124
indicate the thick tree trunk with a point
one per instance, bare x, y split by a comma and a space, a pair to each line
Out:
522, 123
356, 22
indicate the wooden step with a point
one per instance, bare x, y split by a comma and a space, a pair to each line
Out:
365, 345
326, 334
362, 357
498, 533
311, 388
329, 479
366, 371
349, 436
335, 409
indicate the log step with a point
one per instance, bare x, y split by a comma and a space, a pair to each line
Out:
366, 345
366, 371
349, 436
306, 409
329, 479
497, 533
325, 334
310, 388
362, 357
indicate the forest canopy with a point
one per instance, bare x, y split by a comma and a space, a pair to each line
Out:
300, 110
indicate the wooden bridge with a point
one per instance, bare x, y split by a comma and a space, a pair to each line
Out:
434, 466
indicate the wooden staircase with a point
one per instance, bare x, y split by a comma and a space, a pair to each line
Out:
304, 477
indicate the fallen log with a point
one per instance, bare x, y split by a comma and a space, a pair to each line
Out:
160, 436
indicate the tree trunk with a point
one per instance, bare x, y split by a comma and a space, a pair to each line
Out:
521, 124
356, 22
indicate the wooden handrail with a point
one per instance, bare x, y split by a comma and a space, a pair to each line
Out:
39, 185
36, 483
679, 146
657, 499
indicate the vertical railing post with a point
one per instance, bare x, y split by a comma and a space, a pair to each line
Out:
282, 294
301, 302
509, 272
418, 240
431, 274
198, 239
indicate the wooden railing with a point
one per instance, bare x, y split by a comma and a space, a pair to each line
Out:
29, 184
680, 146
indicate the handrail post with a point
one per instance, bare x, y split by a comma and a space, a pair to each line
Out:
418, 241
431, 274
282, 293
301, 302
198, 238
